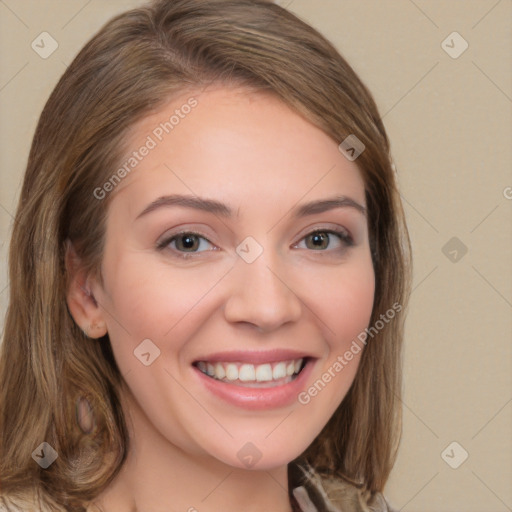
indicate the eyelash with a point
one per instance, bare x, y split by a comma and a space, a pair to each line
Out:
344, 237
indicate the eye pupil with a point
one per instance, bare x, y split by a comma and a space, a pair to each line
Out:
319, 239
187, 241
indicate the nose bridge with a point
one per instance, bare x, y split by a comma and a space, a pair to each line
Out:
260, 294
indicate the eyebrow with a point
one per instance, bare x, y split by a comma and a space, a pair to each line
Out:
221, 209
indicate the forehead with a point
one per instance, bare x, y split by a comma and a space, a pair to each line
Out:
238, 145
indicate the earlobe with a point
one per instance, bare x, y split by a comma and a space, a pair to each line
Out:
82, 304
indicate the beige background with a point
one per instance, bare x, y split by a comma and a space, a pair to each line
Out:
449, 120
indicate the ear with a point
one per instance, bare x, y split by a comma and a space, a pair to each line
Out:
82, 305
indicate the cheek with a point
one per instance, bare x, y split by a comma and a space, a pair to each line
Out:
344, 305
350, 307
153, 301
344, 301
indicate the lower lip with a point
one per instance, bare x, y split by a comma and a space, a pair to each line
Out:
258, 398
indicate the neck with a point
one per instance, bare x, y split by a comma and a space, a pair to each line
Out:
159, 476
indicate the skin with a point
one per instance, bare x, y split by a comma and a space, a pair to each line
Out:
249, 150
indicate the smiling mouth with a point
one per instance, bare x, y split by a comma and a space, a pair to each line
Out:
264, 375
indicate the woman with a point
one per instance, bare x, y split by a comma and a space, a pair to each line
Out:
209, 268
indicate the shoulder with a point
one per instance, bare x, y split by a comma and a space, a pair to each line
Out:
379, 503
319, 492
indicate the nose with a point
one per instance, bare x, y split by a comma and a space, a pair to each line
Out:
261, 294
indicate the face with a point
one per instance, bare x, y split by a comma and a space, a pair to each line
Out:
237, 275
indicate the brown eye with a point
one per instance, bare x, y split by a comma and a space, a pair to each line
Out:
186, 244
321, 240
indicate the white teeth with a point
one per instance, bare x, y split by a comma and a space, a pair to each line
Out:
244, 372
220, 373
264, 373
279, 371
247, 373
231, 372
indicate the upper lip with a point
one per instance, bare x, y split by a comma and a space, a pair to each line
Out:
253, 356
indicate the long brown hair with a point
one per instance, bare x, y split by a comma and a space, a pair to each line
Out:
136, 62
